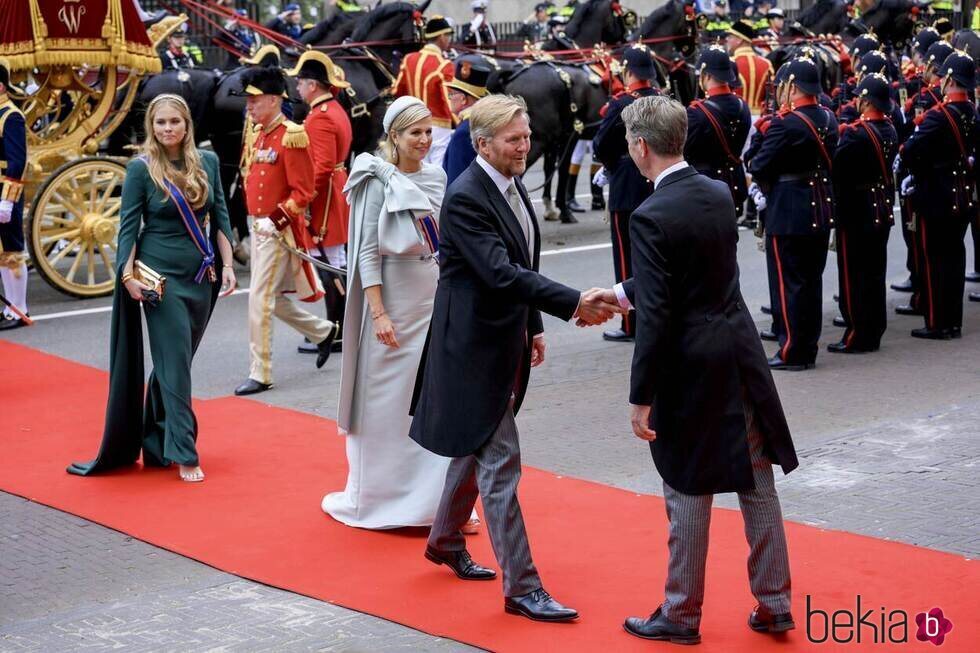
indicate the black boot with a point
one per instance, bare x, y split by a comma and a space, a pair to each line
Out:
598, 201
336, 303
570, 202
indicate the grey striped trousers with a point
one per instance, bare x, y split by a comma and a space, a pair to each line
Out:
690, 516
493, 473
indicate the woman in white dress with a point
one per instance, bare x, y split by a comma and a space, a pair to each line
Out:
391, 282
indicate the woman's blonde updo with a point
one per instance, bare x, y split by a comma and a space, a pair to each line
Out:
192, 180
405, 118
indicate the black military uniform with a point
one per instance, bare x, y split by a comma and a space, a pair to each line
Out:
793, 167
844, 93
942, 188
718, 125
874, 62
627, 187
929, 95
755, 142
864, 191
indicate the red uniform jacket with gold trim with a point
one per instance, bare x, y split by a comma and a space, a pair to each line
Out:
281, 172
422, 74
329, 130
754, 71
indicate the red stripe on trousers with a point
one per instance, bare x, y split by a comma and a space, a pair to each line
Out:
847, 289
931, 318
782, 300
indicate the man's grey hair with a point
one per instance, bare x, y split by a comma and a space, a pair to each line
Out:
660, 121
491, 113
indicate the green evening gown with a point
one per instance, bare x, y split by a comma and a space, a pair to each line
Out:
160, 422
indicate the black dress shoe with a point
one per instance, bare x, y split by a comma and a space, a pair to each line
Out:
461, 563
539, 606
251, 387
598, 203
660, 628
973, 277
768, 335
8, 323
840, 322
956, 333
975, 296
907, 309
324, 348
766, 309
903, 286
841, 348
762, 621
836, 297
933, 334
617, 335
567, 218
308, 347
574, 206
777, 363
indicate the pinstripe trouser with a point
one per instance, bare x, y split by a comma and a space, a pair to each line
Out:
492, 472
690, 517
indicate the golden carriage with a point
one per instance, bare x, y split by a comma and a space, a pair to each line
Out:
75, 66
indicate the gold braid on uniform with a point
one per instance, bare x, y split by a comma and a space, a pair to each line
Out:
11, 189
295, 136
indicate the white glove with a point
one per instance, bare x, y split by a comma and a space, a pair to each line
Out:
6, 211
907, 186
896, 164
600, 179
758, 198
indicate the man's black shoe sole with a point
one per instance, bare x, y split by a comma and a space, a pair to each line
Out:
512, 610
673, 639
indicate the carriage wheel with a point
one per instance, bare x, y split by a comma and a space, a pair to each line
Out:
73, 224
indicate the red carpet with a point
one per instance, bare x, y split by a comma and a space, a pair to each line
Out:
600, 549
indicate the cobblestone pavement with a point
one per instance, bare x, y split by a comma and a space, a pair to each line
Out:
887, 446
69, 585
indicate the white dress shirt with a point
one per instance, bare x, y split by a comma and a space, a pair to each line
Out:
618, 288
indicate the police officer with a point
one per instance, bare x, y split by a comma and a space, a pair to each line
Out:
176, 56
278, 190
718, 23
942, 187
627, 187
864, 192
478, 33
330, 134
289, 22
468, 85
13, 161
793, 168
775, 19
718, 126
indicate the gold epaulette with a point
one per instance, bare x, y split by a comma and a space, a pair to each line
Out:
11, 189
295, 136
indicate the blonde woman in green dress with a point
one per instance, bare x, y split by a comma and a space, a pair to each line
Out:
173, 220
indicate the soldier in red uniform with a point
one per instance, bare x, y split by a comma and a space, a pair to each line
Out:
754, 70
423, 75
278, 189
329, 131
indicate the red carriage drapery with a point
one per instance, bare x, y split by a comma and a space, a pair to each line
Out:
36, 33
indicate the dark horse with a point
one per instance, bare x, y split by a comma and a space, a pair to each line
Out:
671, 33
599, 21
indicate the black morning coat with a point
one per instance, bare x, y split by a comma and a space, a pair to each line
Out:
486, 310
696, 344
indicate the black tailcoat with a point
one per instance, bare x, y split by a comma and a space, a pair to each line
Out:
486, 310
697, 348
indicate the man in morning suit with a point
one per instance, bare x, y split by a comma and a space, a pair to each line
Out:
700, 389
487, 317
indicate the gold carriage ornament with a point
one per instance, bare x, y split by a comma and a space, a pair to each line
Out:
79, 63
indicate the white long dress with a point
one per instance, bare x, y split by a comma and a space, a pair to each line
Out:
392, 482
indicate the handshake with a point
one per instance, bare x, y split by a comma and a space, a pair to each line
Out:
597, 305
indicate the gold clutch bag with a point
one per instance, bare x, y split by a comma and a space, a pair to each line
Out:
147, 275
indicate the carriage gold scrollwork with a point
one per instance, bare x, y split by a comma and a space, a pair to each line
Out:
79, 62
